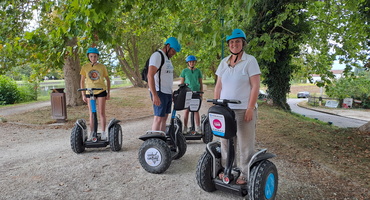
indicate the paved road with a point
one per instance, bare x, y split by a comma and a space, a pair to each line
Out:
340, 121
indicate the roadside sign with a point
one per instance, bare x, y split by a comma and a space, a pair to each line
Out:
347, 103
332, 103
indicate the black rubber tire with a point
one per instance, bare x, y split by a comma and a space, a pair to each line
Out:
77, 142
207, 135
263, 181
204, 173
181, 146
115, 137
162, 151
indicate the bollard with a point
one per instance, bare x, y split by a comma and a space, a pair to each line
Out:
58, 105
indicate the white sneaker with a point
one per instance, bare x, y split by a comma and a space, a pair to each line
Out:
89, 137
199, 129
185, 130
104, 135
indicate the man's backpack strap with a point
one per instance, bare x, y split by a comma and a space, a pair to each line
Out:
159, 69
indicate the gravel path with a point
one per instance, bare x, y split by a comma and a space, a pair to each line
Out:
23, 108
37, 163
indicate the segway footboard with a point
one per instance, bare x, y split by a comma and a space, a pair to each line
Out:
240, 190
97, 144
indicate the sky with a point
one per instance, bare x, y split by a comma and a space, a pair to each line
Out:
337, 66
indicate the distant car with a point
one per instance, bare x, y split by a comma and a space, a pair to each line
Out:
262, 95
304, 94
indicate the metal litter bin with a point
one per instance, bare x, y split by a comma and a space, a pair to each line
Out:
58, 105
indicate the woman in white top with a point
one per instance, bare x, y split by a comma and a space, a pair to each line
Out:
238, 77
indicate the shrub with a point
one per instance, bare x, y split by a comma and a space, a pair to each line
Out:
27, 92
9, 93
356, 88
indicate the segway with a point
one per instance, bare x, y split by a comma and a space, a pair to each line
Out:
263, 176
206, 134
79, 132
160, 148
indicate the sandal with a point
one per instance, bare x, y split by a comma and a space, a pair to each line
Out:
221, 175
241, 181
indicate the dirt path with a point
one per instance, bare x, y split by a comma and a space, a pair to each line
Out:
36, 162
22, 108
39, 164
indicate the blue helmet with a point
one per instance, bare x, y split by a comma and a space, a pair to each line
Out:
190, 58
172, 41
237, 33
92, 50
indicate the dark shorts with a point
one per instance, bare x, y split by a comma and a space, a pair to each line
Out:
103, 94
166, 103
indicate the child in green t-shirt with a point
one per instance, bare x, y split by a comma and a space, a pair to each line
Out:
193, 77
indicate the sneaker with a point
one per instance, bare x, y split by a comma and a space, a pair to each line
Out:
104, 135
89, 137
185, 130
199, 129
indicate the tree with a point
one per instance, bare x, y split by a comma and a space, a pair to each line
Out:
338, 30
275, 34
66, 29
15, 16
129, 31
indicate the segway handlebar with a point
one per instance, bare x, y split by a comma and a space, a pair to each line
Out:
223, 101
196, 92
84, 89
183, 84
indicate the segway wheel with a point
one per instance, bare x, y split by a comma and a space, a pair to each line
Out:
263, 181
208, 135
181, 146
204, 173
155, 156
115, 137
77, 140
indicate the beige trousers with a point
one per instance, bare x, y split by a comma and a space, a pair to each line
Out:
244, 142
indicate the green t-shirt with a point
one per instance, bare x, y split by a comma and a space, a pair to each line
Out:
192, 78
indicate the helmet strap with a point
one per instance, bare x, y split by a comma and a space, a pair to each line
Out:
167, 50
236, 54
192, 67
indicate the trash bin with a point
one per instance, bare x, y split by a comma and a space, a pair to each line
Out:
58, 105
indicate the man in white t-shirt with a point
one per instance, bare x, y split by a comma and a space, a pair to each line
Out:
160, 82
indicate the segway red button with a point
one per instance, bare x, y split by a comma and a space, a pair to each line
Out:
226, 180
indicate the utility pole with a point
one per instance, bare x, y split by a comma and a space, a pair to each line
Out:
222, 37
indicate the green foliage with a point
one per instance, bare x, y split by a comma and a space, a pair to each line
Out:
274, 37
288, 37
15, 16
28, 91
351, 87
339, 29
9, 93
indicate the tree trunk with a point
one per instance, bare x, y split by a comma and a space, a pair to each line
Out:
72, 76
132, 74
